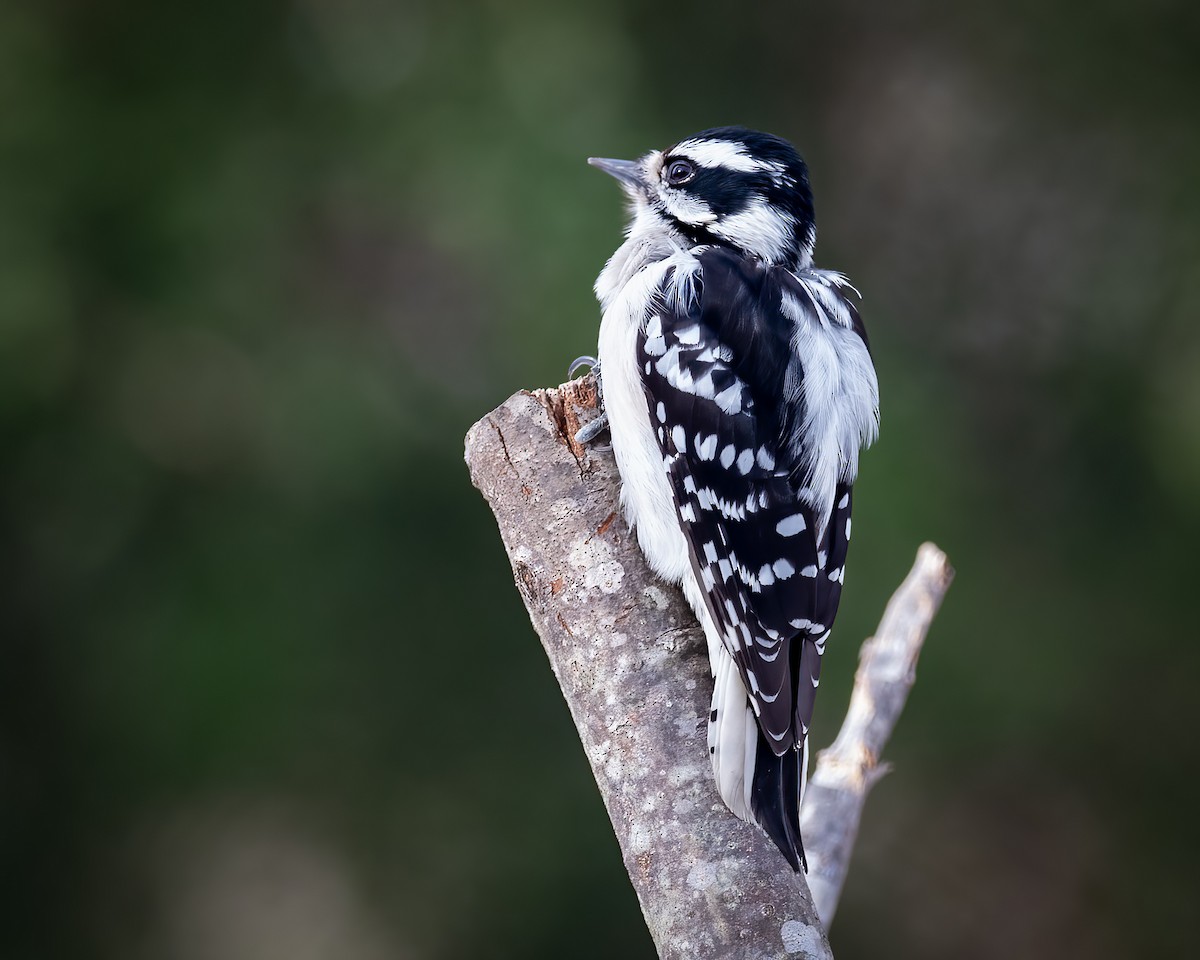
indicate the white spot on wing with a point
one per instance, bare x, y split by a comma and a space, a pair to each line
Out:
704, 387
790, 526
655, 346
730, 399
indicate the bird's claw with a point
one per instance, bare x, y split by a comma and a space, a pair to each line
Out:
584, 361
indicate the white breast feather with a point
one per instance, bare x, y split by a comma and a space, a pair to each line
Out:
645, 490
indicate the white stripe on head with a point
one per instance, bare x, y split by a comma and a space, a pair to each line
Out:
686, 208
760, 228
729, 154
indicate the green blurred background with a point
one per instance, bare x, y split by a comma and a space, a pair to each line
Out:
267, 688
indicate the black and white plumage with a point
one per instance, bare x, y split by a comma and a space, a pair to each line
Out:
739, 390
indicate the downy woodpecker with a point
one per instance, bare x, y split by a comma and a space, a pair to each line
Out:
739, 389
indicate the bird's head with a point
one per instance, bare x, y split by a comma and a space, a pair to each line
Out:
727, 186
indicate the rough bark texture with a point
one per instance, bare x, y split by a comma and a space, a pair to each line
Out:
633, 666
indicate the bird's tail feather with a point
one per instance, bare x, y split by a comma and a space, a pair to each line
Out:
732, 737
756, 785
778, 785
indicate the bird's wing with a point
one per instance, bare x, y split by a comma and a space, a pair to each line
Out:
723, 383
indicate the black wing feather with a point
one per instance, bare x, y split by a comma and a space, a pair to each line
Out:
723, 384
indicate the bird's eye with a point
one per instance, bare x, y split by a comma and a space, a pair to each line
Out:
680, 172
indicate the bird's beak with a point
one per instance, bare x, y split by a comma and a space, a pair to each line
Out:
629, 172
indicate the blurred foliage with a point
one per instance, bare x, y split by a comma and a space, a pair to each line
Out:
268, 689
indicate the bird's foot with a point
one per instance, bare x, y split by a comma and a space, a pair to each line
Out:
598, 424
592, 429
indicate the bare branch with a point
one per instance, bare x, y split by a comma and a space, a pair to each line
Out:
633, 667
846, 771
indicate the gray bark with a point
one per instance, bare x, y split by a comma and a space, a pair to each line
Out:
846, 771
633, 667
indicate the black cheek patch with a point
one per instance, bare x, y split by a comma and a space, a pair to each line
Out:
725, 191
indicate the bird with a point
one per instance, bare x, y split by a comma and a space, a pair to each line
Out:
738, 389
